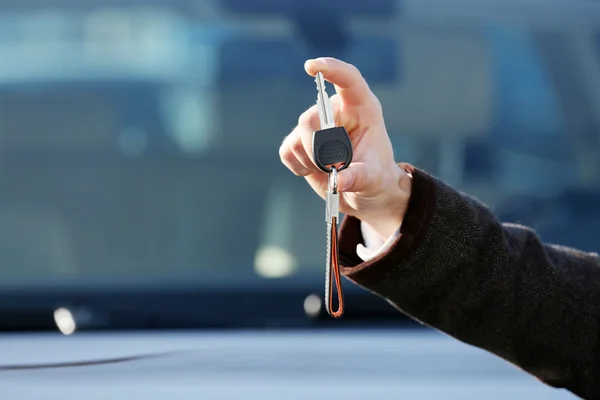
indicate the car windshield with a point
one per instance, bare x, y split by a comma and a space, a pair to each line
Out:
139, 140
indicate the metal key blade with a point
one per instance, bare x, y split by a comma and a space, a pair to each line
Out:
324, 104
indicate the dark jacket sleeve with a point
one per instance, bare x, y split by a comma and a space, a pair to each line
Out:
496, 286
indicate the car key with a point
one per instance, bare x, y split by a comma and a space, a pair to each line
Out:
331, 146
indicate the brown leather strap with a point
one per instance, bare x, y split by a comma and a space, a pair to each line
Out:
334, 274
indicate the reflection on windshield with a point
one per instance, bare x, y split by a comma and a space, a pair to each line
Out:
114, 123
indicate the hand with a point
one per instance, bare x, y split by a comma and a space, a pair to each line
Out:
374, 188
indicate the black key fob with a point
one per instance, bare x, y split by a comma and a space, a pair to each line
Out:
332, 146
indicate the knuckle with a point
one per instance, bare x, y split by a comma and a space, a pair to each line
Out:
288, 159
286, 156
306, 117
297, 146
376, 103
283, 151
298, 169
290, 153
302, 118
298, 172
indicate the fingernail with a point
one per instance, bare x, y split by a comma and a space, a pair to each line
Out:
308, 62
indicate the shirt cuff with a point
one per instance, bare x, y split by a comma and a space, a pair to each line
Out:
414, 226
373, 244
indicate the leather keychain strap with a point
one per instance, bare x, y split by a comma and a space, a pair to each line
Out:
332, 267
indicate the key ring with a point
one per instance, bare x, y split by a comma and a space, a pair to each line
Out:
332, 180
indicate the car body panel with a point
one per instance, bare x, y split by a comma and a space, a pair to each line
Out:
349, 364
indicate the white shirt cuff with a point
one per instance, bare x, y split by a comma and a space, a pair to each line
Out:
374, 245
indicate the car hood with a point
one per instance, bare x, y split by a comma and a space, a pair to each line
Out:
348, 364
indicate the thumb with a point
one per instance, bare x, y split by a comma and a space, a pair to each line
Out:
354, 178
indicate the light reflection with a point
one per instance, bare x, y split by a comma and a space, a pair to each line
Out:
312, 305
64, 321
274, 262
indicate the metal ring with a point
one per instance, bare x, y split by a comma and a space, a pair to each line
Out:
333, 178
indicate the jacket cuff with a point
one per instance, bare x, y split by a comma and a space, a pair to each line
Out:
414, 226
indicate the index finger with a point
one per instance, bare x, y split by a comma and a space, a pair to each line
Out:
350, 84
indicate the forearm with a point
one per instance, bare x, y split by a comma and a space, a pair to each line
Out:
456, 268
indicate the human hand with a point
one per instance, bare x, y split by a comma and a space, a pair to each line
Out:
374, 188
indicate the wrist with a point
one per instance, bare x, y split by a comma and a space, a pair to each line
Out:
387, 219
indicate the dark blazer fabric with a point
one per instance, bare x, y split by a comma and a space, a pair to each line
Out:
493, 285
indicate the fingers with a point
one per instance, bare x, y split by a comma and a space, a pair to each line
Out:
310, 117
289, 159
349, 82
353, 179
293, 153
296, 150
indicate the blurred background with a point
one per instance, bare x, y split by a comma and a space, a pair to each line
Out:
140, 183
